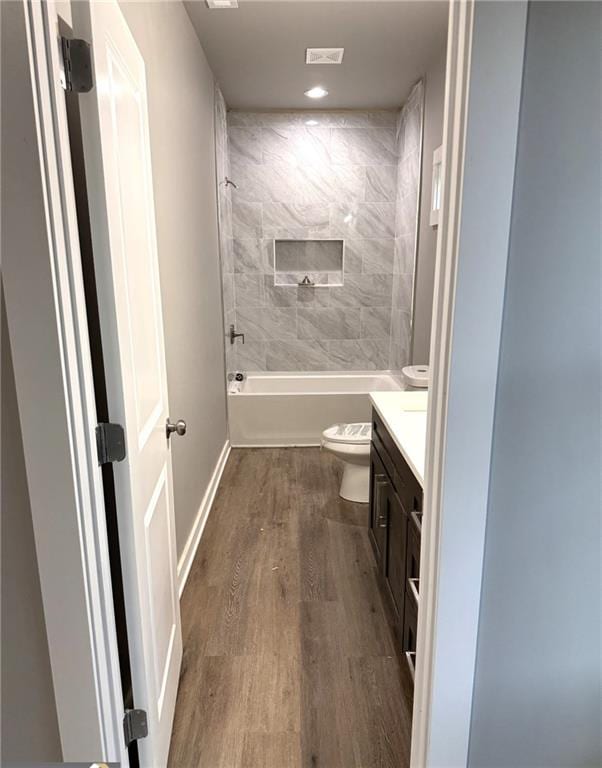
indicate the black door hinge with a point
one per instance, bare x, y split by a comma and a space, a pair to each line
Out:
135, 725
110, 442
77, 62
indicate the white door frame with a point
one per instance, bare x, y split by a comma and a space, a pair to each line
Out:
482, 104
460, 416
49, 338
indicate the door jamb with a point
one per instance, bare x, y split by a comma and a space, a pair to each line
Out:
79, 394
484, 62
86, 548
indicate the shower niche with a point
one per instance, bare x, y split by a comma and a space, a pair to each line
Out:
312, 263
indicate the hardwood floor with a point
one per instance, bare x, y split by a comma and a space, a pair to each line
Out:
289, 660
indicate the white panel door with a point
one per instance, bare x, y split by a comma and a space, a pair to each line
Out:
119, 176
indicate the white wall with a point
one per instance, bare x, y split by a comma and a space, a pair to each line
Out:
537, 683
427, 236
181, 113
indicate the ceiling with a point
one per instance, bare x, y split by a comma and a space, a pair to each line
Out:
257, 52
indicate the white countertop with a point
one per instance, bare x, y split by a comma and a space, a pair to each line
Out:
404, 415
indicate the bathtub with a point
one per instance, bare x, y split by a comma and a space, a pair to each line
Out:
280, 409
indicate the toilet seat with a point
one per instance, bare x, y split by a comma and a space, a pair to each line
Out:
349, 434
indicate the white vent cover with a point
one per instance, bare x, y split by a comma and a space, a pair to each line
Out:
324, 55
222, 3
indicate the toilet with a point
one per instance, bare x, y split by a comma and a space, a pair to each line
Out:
351, 444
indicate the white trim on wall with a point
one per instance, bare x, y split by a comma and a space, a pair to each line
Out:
194, 539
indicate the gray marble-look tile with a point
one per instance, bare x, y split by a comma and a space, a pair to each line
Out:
308, 296
340, 182
375, 322
377, 255
363, 146
249, 290
353, 256
407, 180
328, 323
229, 319
246, 219
278, 295
315, 279
250, 180
284, 216
402, 292
412, 130
373, 119
298, 356
404, 254
407, 214
245, 145
297, 145
399, 357
360, 354
308, 255
401, 327
225, 214
243, 118
228, 292
253, 255
226, 253
250, 356
363, 291
381, 182
263, 324
367, 220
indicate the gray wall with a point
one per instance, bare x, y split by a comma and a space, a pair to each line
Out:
29, 728
29, 725
434, 97
537, 686
181, 112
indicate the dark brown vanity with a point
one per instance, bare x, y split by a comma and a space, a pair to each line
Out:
395, 529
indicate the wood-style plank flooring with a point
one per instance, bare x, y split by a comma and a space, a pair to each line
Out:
289, 660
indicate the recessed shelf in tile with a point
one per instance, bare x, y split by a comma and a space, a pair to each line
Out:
308, 262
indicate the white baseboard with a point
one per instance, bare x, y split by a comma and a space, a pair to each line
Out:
279, 444
187, 556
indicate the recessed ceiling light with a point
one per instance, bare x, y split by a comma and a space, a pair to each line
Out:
222, 3
312, 122
317, 92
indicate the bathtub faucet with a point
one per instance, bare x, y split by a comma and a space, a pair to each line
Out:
234, 335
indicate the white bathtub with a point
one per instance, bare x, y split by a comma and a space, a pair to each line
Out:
279, 409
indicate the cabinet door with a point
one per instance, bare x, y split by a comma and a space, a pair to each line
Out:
396, 546
379, 485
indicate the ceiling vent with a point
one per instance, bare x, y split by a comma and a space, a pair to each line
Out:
324, 55
222, 3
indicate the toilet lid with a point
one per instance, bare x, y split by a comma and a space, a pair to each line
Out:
352, 434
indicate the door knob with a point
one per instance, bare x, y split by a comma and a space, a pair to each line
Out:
179, 427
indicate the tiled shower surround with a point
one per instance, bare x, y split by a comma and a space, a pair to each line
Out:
319, 175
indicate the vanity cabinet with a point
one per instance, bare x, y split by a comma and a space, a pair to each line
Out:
395, 531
